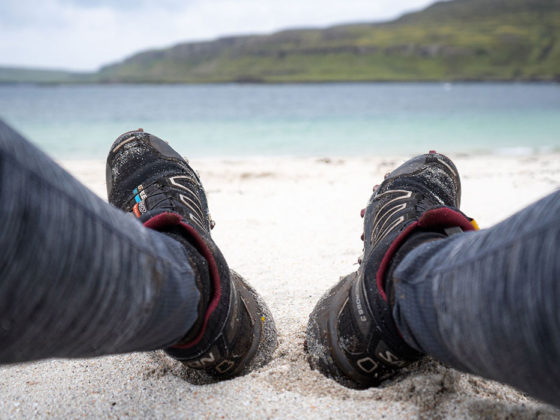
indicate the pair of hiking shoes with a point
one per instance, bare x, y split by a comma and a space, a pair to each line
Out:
351, 335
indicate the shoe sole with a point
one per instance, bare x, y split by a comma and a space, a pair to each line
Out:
264, 328
264, 341
322, 338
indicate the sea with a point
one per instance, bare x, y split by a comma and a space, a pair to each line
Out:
244, 120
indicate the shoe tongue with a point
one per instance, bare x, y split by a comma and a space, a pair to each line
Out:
163, 147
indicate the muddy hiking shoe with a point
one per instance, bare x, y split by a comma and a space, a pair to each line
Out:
351, 336
234, 332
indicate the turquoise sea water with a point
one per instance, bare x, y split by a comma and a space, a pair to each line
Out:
301, 120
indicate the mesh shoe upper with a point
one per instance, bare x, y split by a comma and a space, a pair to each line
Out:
423, 183
146, 177
351, 334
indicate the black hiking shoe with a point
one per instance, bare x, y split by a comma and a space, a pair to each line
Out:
351, 335
235, 331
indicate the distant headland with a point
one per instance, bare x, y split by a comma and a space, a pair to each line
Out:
459, 40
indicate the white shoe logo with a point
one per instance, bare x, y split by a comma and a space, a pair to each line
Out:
202, 362
193, 204
391, 358
367, 364
224, 366
383, 222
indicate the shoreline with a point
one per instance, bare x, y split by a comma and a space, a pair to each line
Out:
510, 152
295, 82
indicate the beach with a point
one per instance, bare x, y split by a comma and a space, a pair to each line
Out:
291, 227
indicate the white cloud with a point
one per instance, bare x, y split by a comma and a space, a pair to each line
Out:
82, 35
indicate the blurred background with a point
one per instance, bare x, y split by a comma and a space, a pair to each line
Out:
252, 78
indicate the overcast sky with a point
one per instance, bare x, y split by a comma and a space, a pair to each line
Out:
85, 34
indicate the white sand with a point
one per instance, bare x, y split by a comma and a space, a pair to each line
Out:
291, 227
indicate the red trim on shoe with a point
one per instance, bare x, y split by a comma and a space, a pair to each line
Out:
440, 217
444, 217
163, 220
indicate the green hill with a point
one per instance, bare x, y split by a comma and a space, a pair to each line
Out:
29, 75
455, 40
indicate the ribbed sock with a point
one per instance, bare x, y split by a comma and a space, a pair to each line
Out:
202, 278
416, 239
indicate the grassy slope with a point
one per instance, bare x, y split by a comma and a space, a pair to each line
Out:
27, 75
456, 40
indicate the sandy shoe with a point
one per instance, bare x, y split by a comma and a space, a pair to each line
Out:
351, 335
235, 331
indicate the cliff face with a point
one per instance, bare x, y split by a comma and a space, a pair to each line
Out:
454, 40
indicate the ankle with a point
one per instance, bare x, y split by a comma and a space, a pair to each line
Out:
202, 277
413, 241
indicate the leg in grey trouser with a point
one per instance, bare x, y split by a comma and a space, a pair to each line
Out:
79, 277
487, 302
